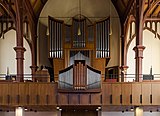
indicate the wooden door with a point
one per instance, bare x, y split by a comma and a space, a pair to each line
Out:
78, 113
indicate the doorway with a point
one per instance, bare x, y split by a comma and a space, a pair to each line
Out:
79, 113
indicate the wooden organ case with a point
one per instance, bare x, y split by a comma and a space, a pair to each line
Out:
67, 47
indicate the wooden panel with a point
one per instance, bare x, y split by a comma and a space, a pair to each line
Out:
74, 99
136, 92
42, 76
126, 93
33, 92
116, 93
63, 99
58, 65
23, 93
97, 62
156, 93
52, 94
146, 92
3, 94
13, 92
106, 93
42, 92
96, 99
84, 99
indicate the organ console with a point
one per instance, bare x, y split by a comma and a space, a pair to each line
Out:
79, 76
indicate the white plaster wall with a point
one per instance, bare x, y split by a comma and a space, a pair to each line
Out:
114, 43
8, 54
27, 58
151, 54
131, 62
129, 114
30, 114
117, 114
102, 114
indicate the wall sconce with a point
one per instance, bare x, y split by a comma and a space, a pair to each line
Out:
2, 36
132, 108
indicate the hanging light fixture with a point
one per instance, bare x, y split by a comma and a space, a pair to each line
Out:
79, 28
110, 26
2, 36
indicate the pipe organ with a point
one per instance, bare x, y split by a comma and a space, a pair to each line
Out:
83, 40
79, 76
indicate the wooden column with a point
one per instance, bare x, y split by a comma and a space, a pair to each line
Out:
123, 72
19, 33
139, 35
31, 17
138, 57
34, 52
124, 66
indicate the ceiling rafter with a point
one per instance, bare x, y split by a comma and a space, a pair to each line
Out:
43, 2
30, 9
124, 3
129, 7
9, 10
158, 15
118, 10
153, 4
152, 13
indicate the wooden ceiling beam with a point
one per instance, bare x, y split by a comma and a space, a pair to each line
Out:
152, 19
8, 10
128, 9
124, 3
118, 10
153, 4
155, 8
30, 10
43, 2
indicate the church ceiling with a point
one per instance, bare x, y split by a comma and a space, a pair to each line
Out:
151, 7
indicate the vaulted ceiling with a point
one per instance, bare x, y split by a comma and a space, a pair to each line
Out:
124, 7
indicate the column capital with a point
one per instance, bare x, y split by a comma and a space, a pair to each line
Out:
139, 51
123, 72
19, 49
139, 47
124, 67
33, 68
19, 52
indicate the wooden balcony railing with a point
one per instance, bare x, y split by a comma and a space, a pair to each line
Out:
47, 94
